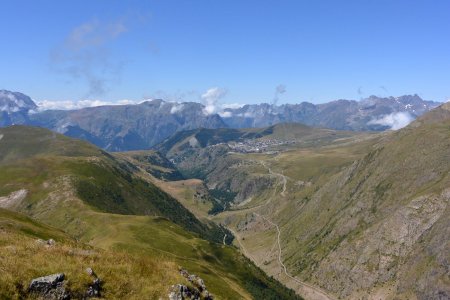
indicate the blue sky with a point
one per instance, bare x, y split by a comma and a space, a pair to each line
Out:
318, 50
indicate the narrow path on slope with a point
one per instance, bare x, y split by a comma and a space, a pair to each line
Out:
282, 176
312, 291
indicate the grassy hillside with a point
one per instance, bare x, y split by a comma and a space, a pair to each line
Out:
101, 200
377, 217
236, 176
34, 156
153, 163
124, 275
359, 219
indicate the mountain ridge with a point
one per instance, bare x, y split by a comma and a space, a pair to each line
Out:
141, 126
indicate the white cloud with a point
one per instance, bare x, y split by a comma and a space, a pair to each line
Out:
177, 107
232, 105
211, 98
226, 114
85, 55
394, 120
70, 105
95, 33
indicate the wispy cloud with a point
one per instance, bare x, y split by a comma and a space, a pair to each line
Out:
70, 105
85, 55
279, 90
232, 105
382, 87
360, 91
211, 98
226, 114
176, 108
394, 120
94, 33
177, 96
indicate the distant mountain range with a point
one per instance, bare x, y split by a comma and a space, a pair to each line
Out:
373, 113
141, 126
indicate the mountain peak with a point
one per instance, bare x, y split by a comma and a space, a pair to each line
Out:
11, 102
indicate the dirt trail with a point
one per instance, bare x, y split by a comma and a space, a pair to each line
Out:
306, 290
279, 175
309, 291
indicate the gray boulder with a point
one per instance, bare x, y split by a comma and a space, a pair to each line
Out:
181, 292
50, 287
196, 291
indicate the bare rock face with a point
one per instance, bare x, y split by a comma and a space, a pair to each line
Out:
374, 259
181, 292
49, 287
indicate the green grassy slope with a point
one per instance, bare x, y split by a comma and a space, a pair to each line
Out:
360, 220
24, 258
153, 163
33, 156
96, 198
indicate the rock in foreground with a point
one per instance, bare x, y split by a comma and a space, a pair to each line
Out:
49, 287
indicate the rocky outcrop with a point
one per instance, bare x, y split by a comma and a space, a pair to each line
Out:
196, 289
54, 287
95, 287
51, 287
